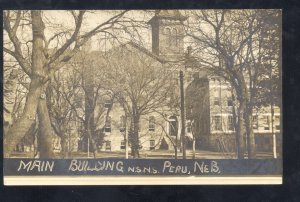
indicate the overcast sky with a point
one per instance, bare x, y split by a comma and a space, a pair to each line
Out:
92, 19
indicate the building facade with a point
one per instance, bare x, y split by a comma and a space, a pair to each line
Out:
209, 103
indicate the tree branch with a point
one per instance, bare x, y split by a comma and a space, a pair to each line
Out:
17, 53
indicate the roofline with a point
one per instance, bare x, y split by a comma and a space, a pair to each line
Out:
181, 19
154, 56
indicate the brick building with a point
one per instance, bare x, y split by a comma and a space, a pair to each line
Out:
209, 101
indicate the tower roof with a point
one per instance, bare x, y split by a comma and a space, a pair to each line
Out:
170, 14
175, 14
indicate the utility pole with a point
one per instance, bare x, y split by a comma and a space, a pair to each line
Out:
273, 132
272, 122
182, 114
272, 117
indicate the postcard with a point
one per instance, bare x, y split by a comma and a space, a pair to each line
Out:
115, 97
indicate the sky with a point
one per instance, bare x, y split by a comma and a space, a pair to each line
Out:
60, 18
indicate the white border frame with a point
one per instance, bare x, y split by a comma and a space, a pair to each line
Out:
121, 180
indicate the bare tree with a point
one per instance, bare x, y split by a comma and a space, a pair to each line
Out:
10, 89
83, 91
62, 89
39, 63
140, 82
264, 73
224, 39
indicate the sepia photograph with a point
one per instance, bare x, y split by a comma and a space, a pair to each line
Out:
142, 96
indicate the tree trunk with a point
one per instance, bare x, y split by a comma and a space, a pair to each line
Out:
194, 138
234, 118
194, 149
64, 146
243, 98
176, 141
18, 129
182, 110
247, 117
91, 143
135, 140
45, 131
241, 129
251, 148
90, 129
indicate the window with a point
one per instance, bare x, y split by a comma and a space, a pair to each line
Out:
217, 96
168, 36
152, 144
229, 102
216, 101
255, 122
107, 104
122, 123
173, 126
230, 123
108, 145
266, 123
108, 124
217, 123
151, 123
277, 123
188, 127
174, 37
123, 144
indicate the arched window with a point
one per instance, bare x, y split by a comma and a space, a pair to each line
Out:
174, 37
168, 36
151, 123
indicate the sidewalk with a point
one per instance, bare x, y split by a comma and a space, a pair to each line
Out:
155, 154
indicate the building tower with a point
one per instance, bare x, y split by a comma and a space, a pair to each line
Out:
167, 33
